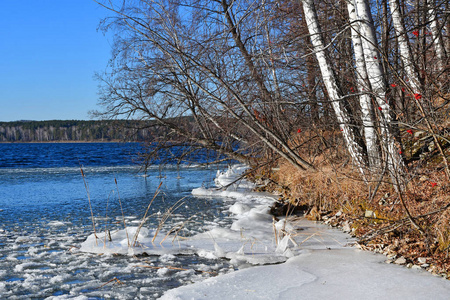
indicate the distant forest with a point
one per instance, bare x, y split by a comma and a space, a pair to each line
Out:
75, 130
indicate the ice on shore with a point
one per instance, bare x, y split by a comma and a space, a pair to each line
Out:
253, 238
320, 264
320, 274
295, 258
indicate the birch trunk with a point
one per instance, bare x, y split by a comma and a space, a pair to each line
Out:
437, 40
377, 81
330, 82
363, 85
405, 51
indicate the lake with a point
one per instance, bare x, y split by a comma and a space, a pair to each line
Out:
45, 216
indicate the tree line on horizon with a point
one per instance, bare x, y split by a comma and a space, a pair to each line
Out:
77, 130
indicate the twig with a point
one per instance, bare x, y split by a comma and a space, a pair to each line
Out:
117, 281
171, 268
107, 232
166, 216
398, 224
275, 230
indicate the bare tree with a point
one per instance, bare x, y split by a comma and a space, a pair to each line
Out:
240, 79
208, 60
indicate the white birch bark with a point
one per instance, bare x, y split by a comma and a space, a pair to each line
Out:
405, 51
371, 54
377, 81
370, 134
437, 40
330, 82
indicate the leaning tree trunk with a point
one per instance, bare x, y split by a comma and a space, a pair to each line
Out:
356, 152
405, 51
363, 86
377, 81
437, 39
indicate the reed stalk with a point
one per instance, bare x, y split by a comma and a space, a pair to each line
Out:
121, 210
106, 222
144, 218
175, 229
86, 186
166, 216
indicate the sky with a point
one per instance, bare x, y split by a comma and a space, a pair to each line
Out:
50, 51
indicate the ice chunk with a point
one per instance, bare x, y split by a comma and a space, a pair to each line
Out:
218, 251
283, 245
239, 208
23, 239
57, 223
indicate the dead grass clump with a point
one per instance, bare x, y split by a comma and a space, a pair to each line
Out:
326, 190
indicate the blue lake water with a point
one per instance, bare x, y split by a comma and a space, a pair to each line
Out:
44, 214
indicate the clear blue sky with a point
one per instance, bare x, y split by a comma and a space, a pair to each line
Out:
49, 53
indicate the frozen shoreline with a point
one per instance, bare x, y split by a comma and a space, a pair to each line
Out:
320, 264
291, 259
249, 240
320, 274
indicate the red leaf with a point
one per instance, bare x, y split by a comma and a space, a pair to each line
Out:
393, 85
379, 108
418, 96
415, 32
409, 131
403, 89
433, 184
299, 130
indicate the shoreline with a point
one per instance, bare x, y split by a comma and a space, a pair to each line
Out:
323, 262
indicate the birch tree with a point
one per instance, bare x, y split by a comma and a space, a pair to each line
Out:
363, 86
403, 44
411, 74
437, 37
354, 149
377, 81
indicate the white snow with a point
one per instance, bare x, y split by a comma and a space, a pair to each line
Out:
294, 258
